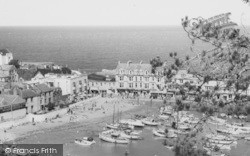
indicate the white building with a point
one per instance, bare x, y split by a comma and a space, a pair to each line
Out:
210, 85
138, 78
182, 77
101, 83
70, 84
5, 56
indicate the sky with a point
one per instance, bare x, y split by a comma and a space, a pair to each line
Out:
116, 12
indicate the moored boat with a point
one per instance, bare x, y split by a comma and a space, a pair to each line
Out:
150, 122
116, 140
136, 123
159, 133
86, 141
112, 126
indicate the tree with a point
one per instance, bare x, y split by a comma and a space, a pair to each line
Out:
247, 109
225, 61
15, 63
156, 62
66, 70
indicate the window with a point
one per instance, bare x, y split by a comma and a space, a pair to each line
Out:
191, 82
152, 86
130, 72
135, 85
80, 82
146, 72
136, 78
141, 85
31, 99
121, 78
146, 78
80, 89
101, 84
181, 81
230, 95
146, 85
153, 78
131, 78
158, 79
74, 84
130, 85
121, 85
141, 78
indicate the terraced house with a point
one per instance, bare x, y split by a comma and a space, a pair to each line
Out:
137, 78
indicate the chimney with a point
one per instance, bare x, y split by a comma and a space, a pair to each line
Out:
129, 62
141, 62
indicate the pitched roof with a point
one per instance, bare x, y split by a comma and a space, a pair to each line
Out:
98, 77
4, 51
215, 83
26, 74
28, 93
43, 88
134, 66
6, 100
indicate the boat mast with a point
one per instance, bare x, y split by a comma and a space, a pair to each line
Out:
114, 114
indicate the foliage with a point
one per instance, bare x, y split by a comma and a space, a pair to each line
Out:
51, 106
26, 74
15, 63
66, 70
247, 109
186, 147
179, 105
156, 62
187, 106
230, 110
197, 98
238, 110
221, 104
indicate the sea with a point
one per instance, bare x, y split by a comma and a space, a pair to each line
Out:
92, 49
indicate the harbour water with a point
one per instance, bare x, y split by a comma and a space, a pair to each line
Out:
149, 146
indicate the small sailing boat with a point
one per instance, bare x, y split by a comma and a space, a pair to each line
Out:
85, 141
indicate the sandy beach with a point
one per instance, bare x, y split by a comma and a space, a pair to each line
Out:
88, 114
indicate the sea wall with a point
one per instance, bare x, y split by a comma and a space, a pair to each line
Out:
16, 114
33, 118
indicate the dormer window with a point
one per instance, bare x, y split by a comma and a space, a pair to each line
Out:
130, 72
146, 72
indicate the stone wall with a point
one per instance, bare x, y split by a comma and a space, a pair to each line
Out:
17, 114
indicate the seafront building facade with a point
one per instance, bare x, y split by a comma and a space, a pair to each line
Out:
69, 84
98, 83
137, 78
